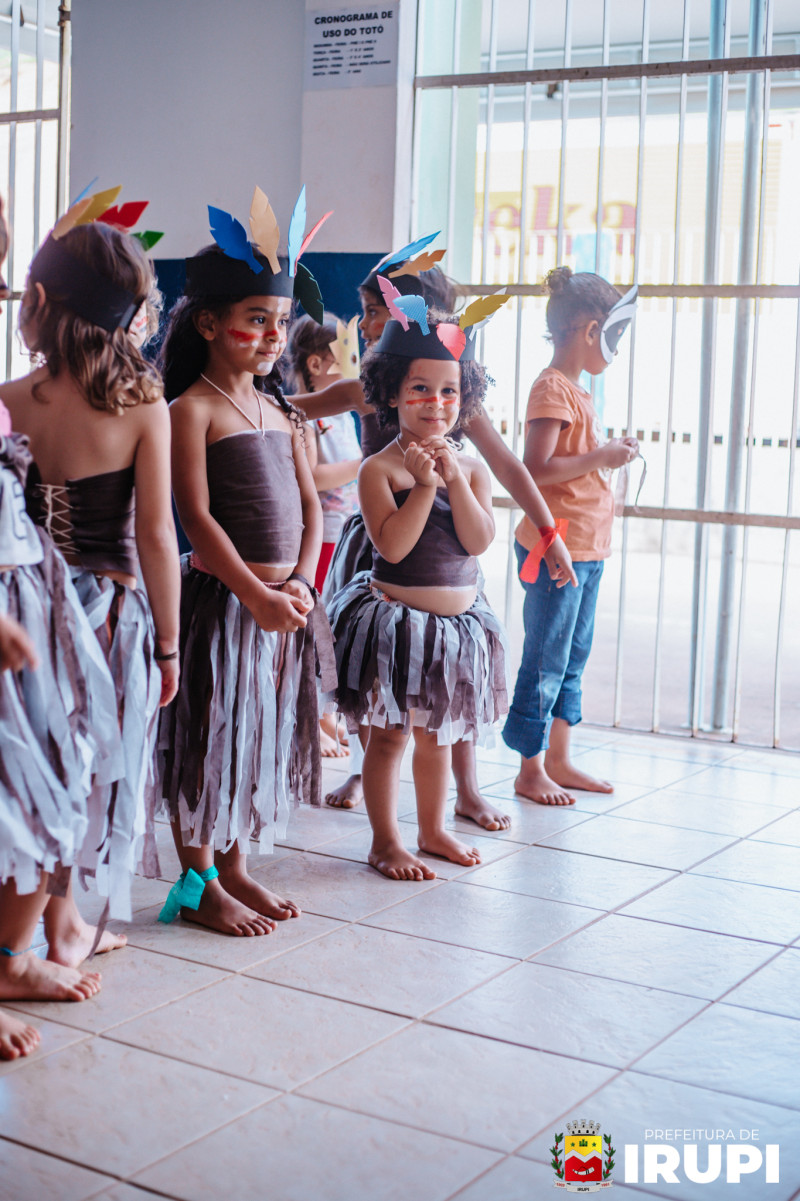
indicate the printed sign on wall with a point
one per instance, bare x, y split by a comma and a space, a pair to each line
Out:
353, 47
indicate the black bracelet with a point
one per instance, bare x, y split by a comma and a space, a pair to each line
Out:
160, 658
296, 575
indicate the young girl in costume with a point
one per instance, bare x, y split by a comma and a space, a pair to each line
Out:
52, 677
353, 553
96, 418
563, 451
418, 649
240, 742
334, 454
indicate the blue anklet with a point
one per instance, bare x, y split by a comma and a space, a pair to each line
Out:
186, 892
7, 951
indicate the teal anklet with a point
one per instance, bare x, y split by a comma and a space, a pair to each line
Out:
7, 951
186, 892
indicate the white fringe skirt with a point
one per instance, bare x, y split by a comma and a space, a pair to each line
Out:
58, 726
238, 748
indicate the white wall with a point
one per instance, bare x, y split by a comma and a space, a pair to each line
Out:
188, 103
193, 102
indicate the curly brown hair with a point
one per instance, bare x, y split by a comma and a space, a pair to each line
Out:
109, 369
382, 377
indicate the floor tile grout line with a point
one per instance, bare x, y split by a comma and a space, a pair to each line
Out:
794, 1109
640, 917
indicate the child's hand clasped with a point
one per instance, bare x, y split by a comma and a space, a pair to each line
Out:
421, 464
619, 451
446, 461
279, 611
299, 590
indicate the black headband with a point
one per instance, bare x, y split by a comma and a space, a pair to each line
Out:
414, 344
217, 274
82, 289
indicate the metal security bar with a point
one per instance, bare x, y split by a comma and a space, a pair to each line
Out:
720, 250
35, 40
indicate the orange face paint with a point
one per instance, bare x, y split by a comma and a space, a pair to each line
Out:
426, 400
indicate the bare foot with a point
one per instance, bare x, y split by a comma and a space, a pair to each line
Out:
444, 844
347, 795
28, 978
534, 783
335, 728
218, 910
70, 947
329, 748
396, 862
568, 776
475, 808
16, 1038
244, 888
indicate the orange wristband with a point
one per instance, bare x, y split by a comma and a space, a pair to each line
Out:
529, 572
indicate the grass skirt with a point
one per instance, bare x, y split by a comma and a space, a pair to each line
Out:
121, 838
392, 659
353, 554
239, 745
58, 725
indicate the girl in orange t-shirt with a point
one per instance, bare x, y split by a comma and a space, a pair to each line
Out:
585, 317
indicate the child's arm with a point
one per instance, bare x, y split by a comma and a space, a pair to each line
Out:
393, 531
547, 467
156, 540
311, 541
272, 610
470, 493
328, 475
519, 483
339, 397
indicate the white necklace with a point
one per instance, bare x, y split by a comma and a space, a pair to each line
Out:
238, 407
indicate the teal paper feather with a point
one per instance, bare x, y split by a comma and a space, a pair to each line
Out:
297, 228
407, 252
415, 309
231, 237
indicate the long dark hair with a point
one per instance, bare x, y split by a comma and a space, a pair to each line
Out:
184, 352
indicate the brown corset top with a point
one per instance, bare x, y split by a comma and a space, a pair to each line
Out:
254, 494
90, 518
437, 561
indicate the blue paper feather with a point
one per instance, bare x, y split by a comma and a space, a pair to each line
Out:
408, 251
85, 191
297, 228
415, 309
231, 237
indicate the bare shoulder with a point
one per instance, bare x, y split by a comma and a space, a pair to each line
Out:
189, 411
473, 469
18, 391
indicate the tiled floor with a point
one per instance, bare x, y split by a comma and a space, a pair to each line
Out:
634, 960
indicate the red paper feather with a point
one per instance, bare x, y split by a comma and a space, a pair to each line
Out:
124, 216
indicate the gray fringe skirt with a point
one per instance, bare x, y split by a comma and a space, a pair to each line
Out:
392, 659
352, 554
238, 748
121, 837
58, 726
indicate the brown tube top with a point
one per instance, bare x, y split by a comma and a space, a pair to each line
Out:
437, 561
91, 518
254, 494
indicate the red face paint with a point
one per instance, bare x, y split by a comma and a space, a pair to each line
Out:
426, 400
244, 339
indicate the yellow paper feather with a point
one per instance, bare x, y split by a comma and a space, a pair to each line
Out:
98, 204
345, 350
70, 218
264, 228
482, 309
423, 262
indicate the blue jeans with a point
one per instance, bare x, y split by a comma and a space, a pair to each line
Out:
559, 623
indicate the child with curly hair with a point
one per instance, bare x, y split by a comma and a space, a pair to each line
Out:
417, 647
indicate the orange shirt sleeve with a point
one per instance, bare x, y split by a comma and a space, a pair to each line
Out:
551, 397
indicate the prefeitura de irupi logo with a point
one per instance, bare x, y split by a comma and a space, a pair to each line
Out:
582, 1161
